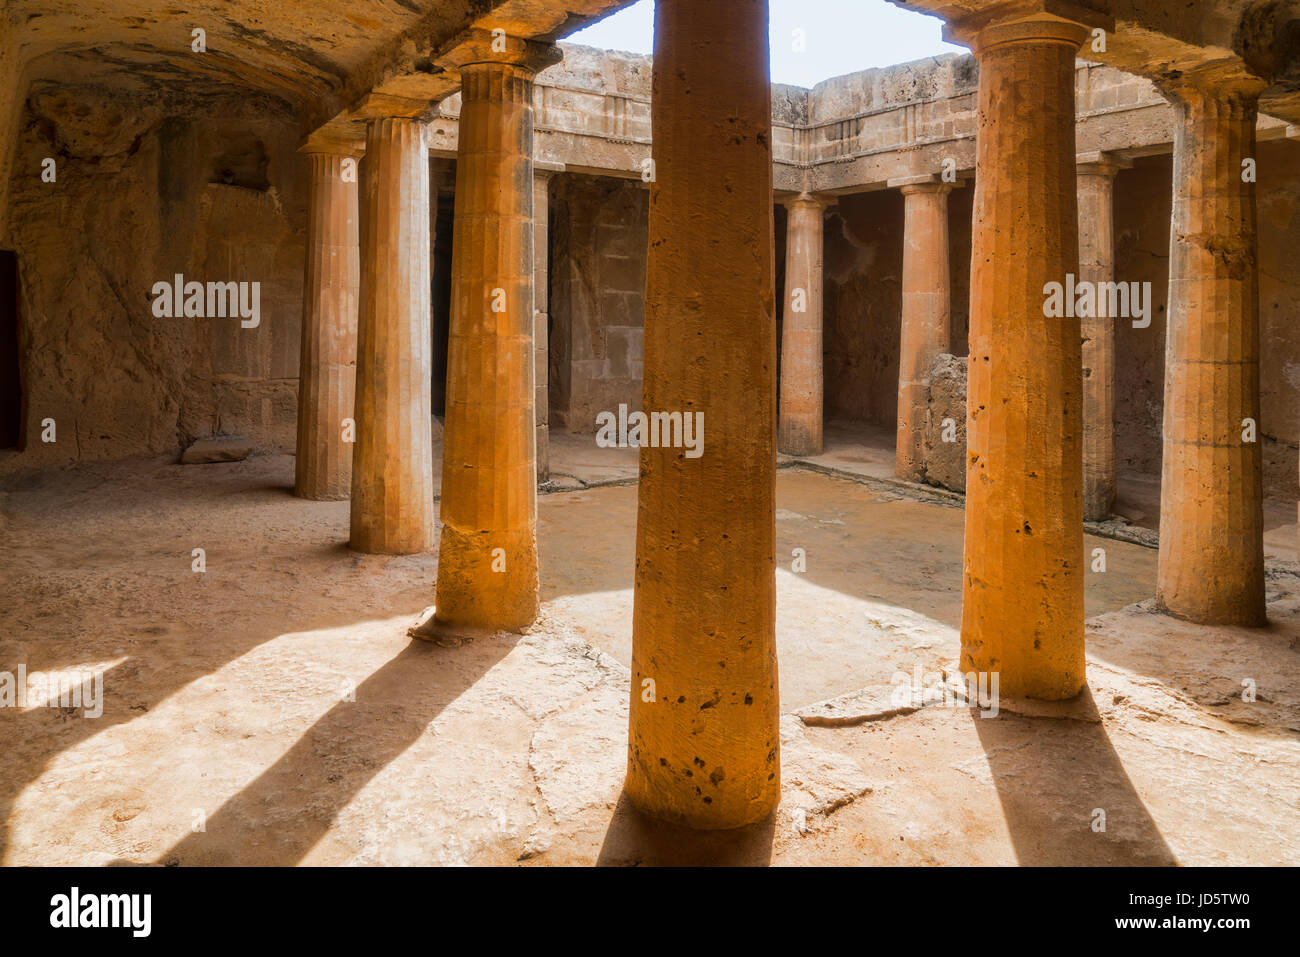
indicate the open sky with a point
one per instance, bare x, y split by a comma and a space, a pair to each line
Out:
838, 36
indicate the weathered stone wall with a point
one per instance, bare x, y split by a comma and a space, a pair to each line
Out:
146, 189
600, 227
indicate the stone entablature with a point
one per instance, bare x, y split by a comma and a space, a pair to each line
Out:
848, 134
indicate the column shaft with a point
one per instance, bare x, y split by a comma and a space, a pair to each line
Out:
1022, 600
926, 322
1211, 494
328, 370
487, 562
392, 465
1097, 266
800, 426
704, 736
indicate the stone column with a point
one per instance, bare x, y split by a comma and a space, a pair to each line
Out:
704, 736
328, 371
1211, 567
1022, 597
487, 559
927, 304
392, 464
1096, 176
799, 430
541, 315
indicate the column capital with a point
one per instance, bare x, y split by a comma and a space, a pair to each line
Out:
385, 106
1100, 163
808, 200
487, 47
924, 183
1219, 81
1027, 21
338, 139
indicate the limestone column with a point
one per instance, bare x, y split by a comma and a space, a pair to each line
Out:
799, 430
392, 464
1022, 596
927, 306
1211, 566
328, 370
704, 735
487, 559
541, 315
1096, 177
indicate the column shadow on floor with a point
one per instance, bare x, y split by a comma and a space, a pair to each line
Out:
634, 839
1053, 775
279, 817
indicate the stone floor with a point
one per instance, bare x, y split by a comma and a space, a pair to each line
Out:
276, 699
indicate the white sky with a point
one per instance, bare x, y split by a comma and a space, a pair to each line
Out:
841, 36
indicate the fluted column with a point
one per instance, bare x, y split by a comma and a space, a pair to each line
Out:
799, 430
1096, 182
926, 313
328, 371
704, 738
1211, 567
487, 560
1022, 596
392, 465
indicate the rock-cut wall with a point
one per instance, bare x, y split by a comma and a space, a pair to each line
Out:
142, 189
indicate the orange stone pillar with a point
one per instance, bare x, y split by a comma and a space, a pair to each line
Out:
799, 430
1211, 567
487, 559
704, 735
328, 371
1022, 597
1096, 173
392, 464
926, 324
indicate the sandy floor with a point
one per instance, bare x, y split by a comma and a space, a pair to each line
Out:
272, 710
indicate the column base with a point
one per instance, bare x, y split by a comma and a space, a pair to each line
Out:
490, 578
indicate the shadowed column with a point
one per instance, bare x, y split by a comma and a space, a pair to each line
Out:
1211, 491
926, 323
1096, 174
800, 427
328, 370
392, 466
487, 559
1022, 596
704, 735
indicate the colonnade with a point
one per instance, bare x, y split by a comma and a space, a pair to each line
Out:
704, 726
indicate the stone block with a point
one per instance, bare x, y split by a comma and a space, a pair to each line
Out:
945, 462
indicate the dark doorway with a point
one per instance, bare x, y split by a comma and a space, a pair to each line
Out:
441, 311
11, 391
